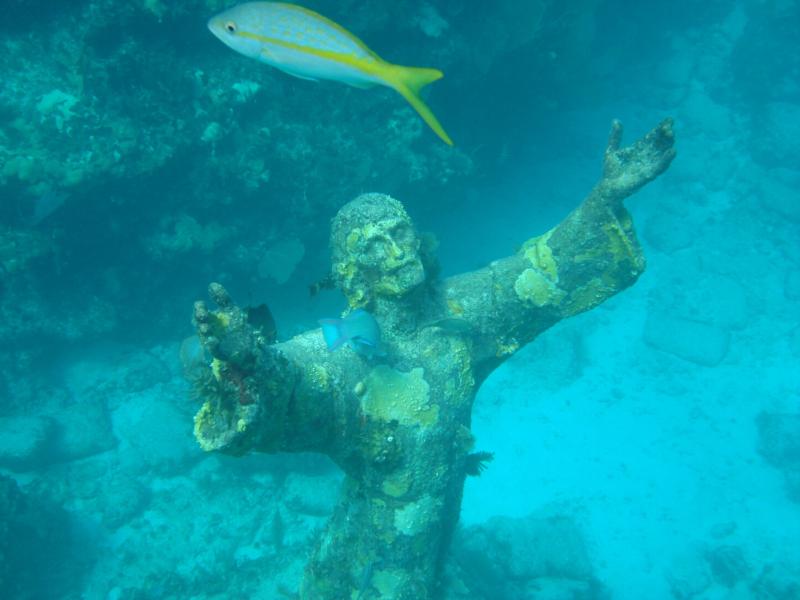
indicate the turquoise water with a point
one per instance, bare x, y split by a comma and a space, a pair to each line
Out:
649, 448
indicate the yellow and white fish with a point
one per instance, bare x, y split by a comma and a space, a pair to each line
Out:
305, 44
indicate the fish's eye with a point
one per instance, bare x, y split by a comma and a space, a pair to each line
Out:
230, 26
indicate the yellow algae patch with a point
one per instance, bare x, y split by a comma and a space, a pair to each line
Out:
319, 378
537, 285
538, 252
357, 299
223, 319
396, 486
620, 242
203, 416
388, 581
389, 286
204, 421
453, 356
455, 307
532, 286
416, 517
346, 269
504, 348
372, 230
216, 365
396, 396
351, 242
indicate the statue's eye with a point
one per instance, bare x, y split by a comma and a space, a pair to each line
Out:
230, 27
403, 234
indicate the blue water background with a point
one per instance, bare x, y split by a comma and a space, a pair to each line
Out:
663, 424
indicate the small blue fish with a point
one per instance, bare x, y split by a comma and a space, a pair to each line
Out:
359, 329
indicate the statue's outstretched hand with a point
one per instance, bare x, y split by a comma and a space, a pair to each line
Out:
247, 379
625, 170
226, 333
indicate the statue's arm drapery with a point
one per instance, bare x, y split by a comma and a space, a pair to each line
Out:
586, 259
292, 396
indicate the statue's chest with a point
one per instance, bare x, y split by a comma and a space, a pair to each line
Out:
446, 362
426, 385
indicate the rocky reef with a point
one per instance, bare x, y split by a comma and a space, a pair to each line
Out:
129, 122
35, 538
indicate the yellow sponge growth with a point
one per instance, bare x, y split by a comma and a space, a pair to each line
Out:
396, 396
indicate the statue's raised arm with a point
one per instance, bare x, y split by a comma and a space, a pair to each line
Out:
387, 391
587, 258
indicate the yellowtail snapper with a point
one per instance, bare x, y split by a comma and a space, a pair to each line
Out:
307, 45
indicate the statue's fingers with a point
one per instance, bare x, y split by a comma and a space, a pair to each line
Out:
614, 137
661, 142
220, 295
201, 318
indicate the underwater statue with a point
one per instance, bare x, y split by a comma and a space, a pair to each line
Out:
398, 423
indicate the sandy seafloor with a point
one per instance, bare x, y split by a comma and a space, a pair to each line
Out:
637, 420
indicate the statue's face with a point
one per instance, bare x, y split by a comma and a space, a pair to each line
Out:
390, 256
377, 255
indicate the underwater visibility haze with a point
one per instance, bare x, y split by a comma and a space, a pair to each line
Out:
307, 327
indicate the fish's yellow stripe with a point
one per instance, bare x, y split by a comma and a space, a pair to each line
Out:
333, 25
369, 66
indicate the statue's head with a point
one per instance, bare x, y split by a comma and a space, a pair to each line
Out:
376, 251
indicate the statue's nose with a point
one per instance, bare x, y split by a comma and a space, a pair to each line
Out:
397, 250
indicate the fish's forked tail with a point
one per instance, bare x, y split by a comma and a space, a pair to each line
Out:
408, 81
